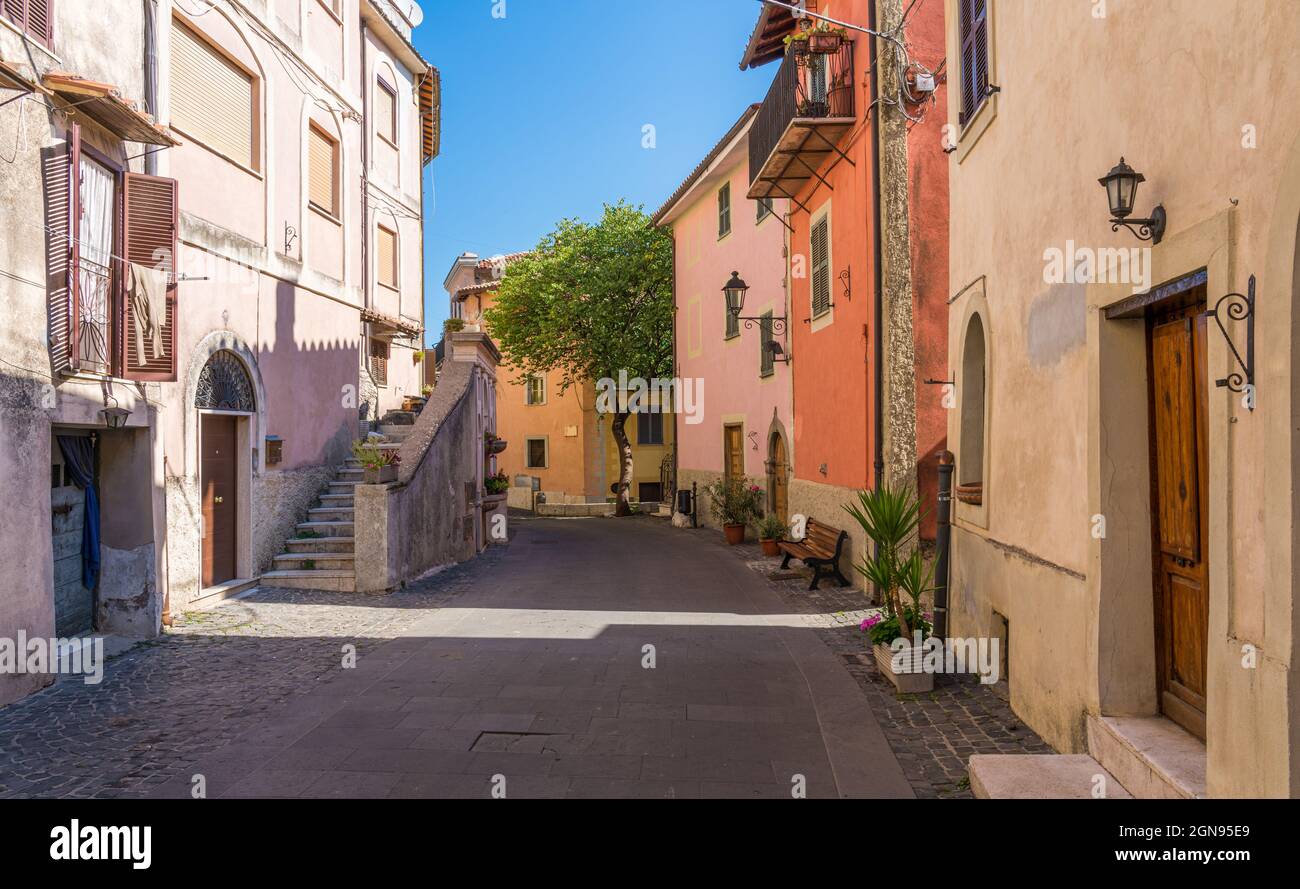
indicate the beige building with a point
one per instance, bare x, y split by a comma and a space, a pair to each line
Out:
1126, 523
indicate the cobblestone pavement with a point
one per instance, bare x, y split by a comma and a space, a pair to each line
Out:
167, 703
933, 735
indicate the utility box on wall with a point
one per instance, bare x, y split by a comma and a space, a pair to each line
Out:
274, 450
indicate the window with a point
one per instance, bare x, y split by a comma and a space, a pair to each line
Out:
764, 209
34, 18
821, 266
766, 363
386, 261
650, 492
212, 98
724, 210
322, 171
970, 462
386, 112
535, 389
649, 429
973, 37
536, 454
379, 351
120, 319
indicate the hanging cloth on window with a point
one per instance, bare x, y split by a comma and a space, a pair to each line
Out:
79, 456
149, 306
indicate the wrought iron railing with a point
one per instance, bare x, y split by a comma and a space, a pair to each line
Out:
814, 87
93, 300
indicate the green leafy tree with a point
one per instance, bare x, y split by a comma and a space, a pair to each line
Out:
590, 301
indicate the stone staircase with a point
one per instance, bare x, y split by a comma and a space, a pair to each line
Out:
320, 556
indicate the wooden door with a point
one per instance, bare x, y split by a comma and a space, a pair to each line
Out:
1179, 479
734, 456
218, 477
780, 480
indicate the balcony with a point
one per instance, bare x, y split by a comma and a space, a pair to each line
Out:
808, 109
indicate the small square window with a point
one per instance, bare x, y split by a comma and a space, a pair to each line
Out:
649, 429
536, 455
764, 209
536, 389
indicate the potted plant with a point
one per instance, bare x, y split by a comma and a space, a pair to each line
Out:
492, 444
734, 505
771, 531
497, 484
417, 356
890, 517
823, 39
796, 44
379, 465
426, 391
454, 325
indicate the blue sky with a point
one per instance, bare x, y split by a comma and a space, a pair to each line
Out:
543, 112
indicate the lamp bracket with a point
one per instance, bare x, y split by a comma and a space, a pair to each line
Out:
778, 324
1238, 307
1151, 229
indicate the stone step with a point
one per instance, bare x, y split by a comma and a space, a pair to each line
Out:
398, 418
396, 433
337, 581
331, 514
1153, 757
320, 544
327, 529
314, 562
348, 475
337, 501
348, 488
1036, 776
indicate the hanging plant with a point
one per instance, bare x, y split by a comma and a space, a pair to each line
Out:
417, 357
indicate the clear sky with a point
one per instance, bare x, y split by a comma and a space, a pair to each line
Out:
543, 110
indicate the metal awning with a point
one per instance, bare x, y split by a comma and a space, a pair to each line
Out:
392, 324
102, 103
430, 115
806, 144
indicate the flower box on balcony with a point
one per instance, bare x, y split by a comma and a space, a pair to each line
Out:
825, 42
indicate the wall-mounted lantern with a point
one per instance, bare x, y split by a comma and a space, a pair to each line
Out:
115, 416
1121, 188
735, 291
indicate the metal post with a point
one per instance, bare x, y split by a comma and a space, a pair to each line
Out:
943, 539
695, 508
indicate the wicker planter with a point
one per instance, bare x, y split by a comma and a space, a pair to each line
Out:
910, 678
381, 476
770, 547
735, 533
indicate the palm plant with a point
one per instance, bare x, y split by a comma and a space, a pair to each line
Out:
891, 517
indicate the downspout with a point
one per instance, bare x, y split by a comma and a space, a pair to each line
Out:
943, 543
150, 76
365, 170
877, 261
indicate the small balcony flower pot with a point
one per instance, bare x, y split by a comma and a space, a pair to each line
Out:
735, 533
770, 547
495, 446
381, 476
799, 48
904, 669
825, 44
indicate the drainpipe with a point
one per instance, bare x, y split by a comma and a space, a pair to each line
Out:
943, 540
365, 170
877, 260
150, 77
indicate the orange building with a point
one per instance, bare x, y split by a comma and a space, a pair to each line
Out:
868, 300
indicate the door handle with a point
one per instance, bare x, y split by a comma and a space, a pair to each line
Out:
217, 499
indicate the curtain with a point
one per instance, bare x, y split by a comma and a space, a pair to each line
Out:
79, 455
96, 243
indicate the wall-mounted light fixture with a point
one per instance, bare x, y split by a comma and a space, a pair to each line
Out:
1121, 188
735, 291
115, 416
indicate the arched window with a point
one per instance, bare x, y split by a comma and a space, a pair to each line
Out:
224, 385
974, 365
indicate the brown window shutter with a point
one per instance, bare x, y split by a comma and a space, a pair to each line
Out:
322, 168
974, 42
70, 322
379, 361
387, 261
150, 211
821, 269
33, 17
212, 99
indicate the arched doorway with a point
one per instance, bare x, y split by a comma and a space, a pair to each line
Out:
225, 401
778, 478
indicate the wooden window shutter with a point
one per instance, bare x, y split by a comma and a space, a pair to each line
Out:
211, 98
148, 238
973, 38
386, 111
322, 166
379, 361
724, 210
33, 17
821, 268
387, 270
67, 326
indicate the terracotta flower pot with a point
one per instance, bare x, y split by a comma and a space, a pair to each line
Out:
770, 547
825, 44
735, 533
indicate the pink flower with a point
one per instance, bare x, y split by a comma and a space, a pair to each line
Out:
869, 622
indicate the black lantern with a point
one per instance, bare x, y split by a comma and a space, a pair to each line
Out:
1121, 190
115, 417
735, 290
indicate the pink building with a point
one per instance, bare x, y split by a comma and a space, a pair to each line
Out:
742, 427
214, 284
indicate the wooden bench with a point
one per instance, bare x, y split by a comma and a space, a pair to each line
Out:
819, 550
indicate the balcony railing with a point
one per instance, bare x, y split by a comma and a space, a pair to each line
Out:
809, 106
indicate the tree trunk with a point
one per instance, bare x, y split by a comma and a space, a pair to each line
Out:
624, 505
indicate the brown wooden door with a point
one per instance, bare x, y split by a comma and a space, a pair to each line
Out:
218, 476
1180, 473
734, 445
780, 480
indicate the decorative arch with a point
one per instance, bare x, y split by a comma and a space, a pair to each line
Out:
973, 391
242, 354
779, 464
225, 385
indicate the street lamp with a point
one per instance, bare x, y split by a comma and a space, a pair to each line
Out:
735, 290
1121, 189
115, 416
